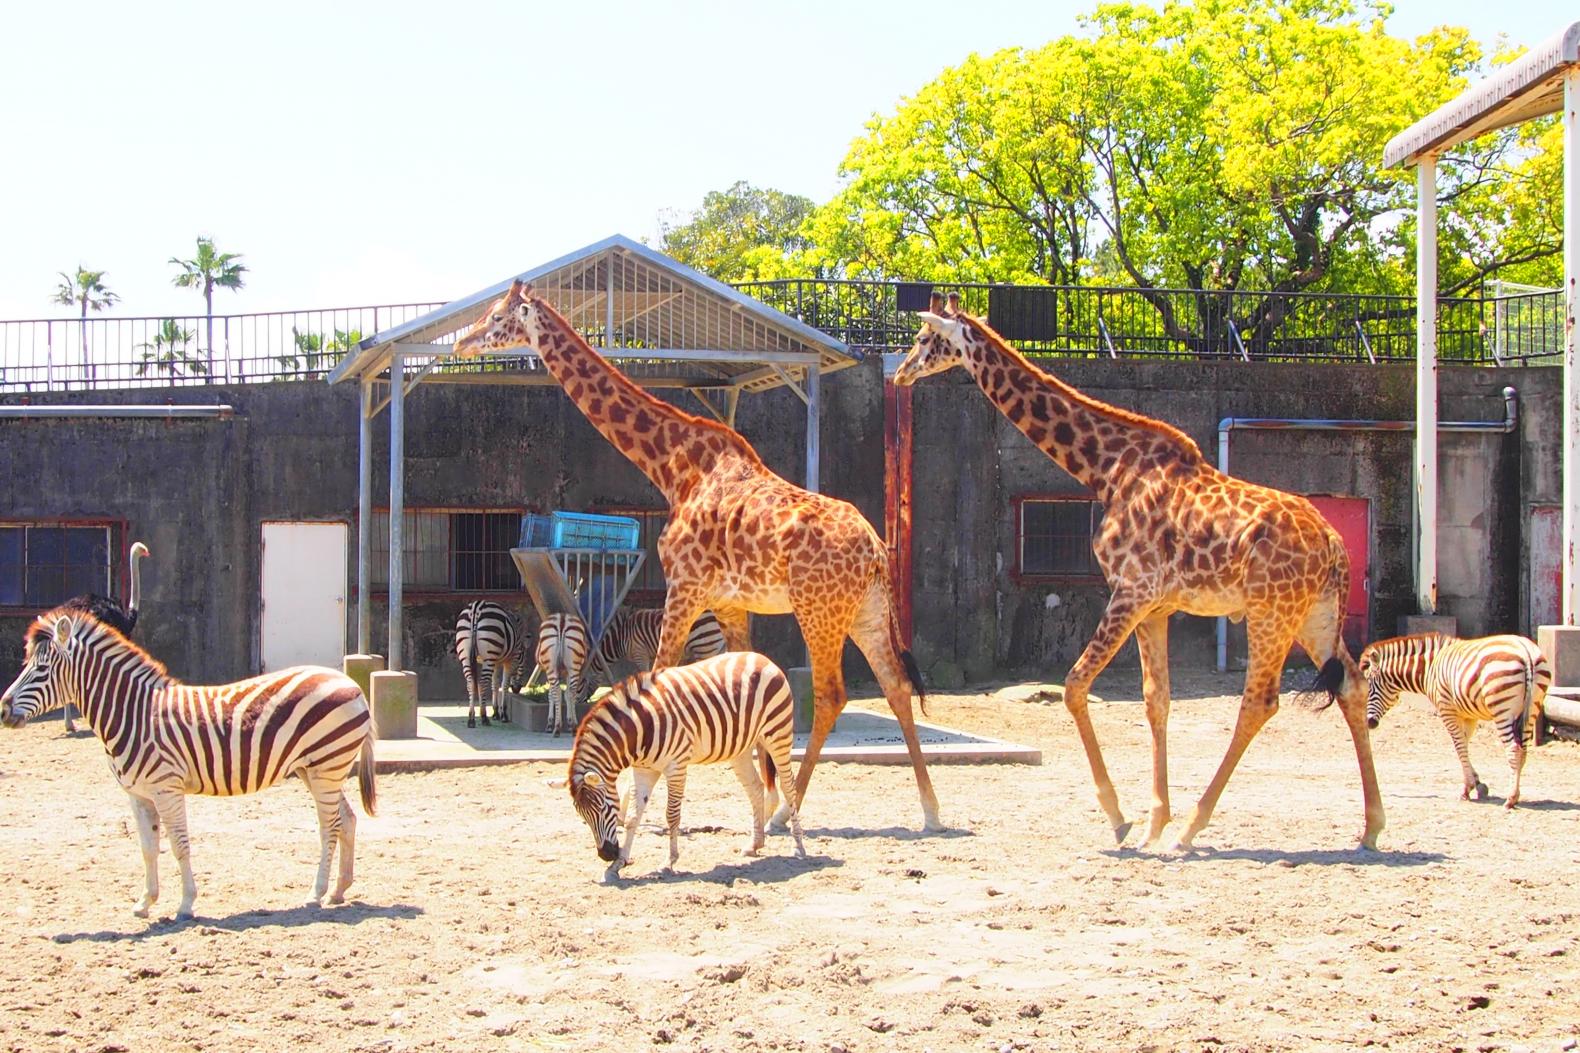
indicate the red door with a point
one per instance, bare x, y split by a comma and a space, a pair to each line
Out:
1351, 517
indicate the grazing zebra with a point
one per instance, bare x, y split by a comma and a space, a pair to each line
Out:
166, 739
111, 613
658, 723
1502, 679
492, 649
632, 636
562, 655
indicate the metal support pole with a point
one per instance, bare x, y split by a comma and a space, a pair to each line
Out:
365, 518
1571, 426
814, 401
397, 505
1426, 387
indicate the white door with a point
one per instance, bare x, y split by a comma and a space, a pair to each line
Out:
304, 594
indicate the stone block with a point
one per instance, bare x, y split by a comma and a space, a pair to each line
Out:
1561, 645
945, 676
1411, 624
394, 700
800, 678
361, 667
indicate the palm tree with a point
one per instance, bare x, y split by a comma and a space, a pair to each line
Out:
206, 270
167, 352
86, 289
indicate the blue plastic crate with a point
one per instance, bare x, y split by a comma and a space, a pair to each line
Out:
580, 530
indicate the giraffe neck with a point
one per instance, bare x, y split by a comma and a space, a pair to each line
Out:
1102, 446
672, 448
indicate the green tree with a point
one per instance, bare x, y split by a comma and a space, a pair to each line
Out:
740, 234
1220, 145
206, 271
170, 352
87, 290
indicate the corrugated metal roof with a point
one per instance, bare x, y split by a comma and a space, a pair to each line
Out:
1530, 86
665, 323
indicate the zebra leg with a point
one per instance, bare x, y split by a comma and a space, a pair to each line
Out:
1460, 730
745, 767
779, 751
348, 850
68, 714
675, 791
332, 809
172, 808
485, 693
148, 838
471, 694
1517, 753
641, 790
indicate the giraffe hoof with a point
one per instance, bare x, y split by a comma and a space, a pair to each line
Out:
1121, 832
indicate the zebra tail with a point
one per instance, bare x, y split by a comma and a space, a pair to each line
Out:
1530, 704
770, 772
367, 777
471, 642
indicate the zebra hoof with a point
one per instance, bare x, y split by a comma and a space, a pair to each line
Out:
485, 722
471, 722
1481, 791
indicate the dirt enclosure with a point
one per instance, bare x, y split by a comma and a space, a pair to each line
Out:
479, 920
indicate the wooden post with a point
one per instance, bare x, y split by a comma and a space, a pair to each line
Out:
897, 497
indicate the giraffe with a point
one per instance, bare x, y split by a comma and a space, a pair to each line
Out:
1177, 535
740, 539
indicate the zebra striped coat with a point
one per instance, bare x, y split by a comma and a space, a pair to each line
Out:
562, 656
632, 637
658, 723
1502, 679
491, 646
166, 739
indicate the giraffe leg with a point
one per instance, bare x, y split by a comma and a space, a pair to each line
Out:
828, 690
675, 792
874, 636
1322, 640
1268, 649
683, 605
148, 838
172, 808
745, 767
1152, 638
736, 626
1119, 620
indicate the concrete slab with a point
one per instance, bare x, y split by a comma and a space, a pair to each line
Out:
862, 736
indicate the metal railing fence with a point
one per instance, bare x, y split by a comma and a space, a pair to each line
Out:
38, 355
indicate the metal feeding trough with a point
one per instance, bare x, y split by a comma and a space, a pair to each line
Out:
579, 563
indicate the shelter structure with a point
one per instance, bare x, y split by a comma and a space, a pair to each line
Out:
664, 324
1543, 81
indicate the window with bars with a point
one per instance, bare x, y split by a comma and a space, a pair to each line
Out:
449, 550
42, 564
1053, 537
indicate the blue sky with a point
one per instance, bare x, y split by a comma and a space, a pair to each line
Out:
376, 153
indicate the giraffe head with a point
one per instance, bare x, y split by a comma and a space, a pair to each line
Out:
511, 322
940, 344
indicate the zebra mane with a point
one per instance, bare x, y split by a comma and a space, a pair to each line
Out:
89, 627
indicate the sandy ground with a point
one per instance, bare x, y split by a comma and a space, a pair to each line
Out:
480, 919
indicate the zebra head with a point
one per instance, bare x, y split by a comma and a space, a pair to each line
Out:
594, 798
44, 682
1382, 690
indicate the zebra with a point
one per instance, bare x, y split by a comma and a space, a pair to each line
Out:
111, 613
492, 649
562, 656
166, 739
632, 637
1502, 679
657, 723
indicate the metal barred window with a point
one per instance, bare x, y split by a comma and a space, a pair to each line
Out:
42, 564
450, 550
1053, 536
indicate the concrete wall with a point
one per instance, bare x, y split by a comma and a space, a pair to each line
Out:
198, 491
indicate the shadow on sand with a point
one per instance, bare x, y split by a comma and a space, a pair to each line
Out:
895, 833
1361, 857
351, 913
763, 870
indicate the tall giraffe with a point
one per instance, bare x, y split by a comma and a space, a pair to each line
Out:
1177, 535
740, 538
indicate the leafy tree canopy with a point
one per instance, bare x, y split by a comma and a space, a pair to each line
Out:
740, 234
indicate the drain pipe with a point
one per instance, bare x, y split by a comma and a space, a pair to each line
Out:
1509, 422
28, 412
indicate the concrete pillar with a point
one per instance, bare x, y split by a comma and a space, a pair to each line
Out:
1426, 387
1561, 645
395, 704
361, 667
800, 678
1571, 421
